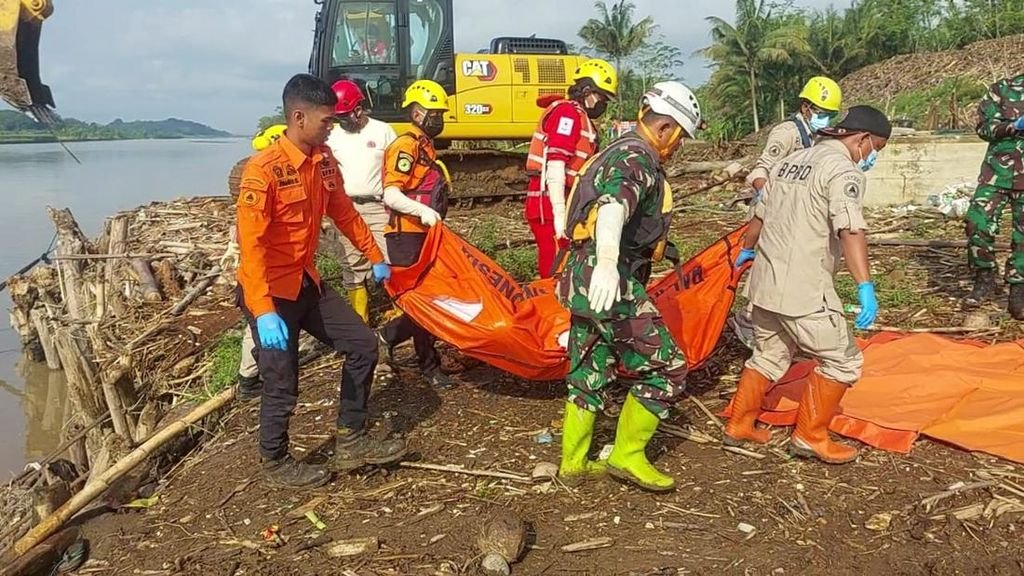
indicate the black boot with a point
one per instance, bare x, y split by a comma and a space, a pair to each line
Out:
355, 449
984, 287
249, 388
1016, 305
290, 473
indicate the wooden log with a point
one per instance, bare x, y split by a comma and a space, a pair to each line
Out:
24, 296
42, 326
71, 241
93, 489
80, 372
204, 284
43, 557
702, 167
115, 404
150, 290
118, 245
917, 243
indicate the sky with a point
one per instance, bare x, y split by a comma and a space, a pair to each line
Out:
224, 63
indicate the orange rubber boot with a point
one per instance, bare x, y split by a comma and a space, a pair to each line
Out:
817, 407
746, 407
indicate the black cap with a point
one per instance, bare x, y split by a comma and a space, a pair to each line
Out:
861, 119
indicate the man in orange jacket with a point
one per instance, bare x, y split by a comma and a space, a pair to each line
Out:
416, 187
565, 139
286, 190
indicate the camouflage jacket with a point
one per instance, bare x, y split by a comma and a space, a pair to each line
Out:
629, 173
1003, 166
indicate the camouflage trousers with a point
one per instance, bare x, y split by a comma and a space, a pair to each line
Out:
641, 345
983, 217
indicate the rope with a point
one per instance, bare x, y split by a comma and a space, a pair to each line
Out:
44, 258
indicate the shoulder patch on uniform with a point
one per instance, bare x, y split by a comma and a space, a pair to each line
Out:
774, 150
565, 126
252, 198
404, 162
852, 190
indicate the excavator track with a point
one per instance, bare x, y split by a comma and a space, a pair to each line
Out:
479, 177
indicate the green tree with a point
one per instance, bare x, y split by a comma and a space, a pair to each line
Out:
267, 121
757, 40
615, 34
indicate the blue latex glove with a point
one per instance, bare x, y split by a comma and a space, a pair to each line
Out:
381, 272
868, 305
1018, 124
273, 332
746, 255
758, 192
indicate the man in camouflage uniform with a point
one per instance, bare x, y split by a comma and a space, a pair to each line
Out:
1001, 124
618, 217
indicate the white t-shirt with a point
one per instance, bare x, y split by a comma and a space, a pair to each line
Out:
361, 156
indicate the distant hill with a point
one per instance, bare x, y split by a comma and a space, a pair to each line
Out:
17, 127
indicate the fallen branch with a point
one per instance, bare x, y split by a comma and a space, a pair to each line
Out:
203, 285
594, 544
466, 471
707, 412
742, 452
938, 330
927, 243
94, 489
150, 291
692, 436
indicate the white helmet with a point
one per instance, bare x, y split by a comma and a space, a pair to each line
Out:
675, 100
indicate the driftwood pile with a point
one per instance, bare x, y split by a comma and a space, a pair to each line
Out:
981, 63
127, 317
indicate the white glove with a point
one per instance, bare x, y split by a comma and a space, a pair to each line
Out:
604, 290
554, 179
399, 202
229, 261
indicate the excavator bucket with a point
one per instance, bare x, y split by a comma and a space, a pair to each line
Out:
20, 85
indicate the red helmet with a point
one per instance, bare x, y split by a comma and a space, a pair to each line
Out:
349, 96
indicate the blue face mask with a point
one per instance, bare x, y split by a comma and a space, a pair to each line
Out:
868, 163
819, 121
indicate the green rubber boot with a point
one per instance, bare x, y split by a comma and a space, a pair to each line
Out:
627, 461
577, 431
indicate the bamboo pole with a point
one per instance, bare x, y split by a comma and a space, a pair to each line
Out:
94, 489
42, 327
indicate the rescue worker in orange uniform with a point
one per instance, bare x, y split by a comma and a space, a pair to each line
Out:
416, 188
564, 140
286, 191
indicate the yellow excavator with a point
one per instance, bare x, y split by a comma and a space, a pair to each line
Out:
385, 45
21, 22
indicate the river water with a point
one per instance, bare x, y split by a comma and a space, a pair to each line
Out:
113, 176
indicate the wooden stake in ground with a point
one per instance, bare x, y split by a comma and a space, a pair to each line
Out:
94, 489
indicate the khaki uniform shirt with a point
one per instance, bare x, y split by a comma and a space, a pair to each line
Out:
811, 196
783, 140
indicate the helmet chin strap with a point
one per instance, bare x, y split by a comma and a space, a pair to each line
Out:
663, 151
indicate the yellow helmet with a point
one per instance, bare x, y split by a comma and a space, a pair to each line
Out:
426, 93
268, 136
824, 93
601, 73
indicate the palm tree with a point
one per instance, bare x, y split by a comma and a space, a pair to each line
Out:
614, 33
755, 41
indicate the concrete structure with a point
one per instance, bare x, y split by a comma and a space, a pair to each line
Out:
918, 165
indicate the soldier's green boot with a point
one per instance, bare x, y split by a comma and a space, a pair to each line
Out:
577, 432
628, 461
984, 287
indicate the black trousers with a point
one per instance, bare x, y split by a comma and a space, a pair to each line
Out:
401, 329
404, 250
326, 316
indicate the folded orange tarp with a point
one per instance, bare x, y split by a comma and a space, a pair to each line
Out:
964, 393
461, 296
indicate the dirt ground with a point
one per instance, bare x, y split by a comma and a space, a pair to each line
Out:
730, 514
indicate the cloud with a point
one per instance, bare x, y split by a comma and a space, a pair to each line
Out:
224, 63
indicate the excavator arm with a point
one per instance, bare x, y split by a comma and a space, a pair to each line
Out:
20, 85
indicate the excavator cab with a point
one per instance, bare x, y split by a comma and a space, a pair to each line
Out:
20, 85
386, 45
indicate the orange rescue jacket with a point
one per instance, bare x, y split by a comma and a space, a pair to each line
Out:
411, 165
283, 198
586, 146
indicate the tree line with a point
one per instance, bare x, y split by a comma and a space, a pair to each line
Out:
761, 59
